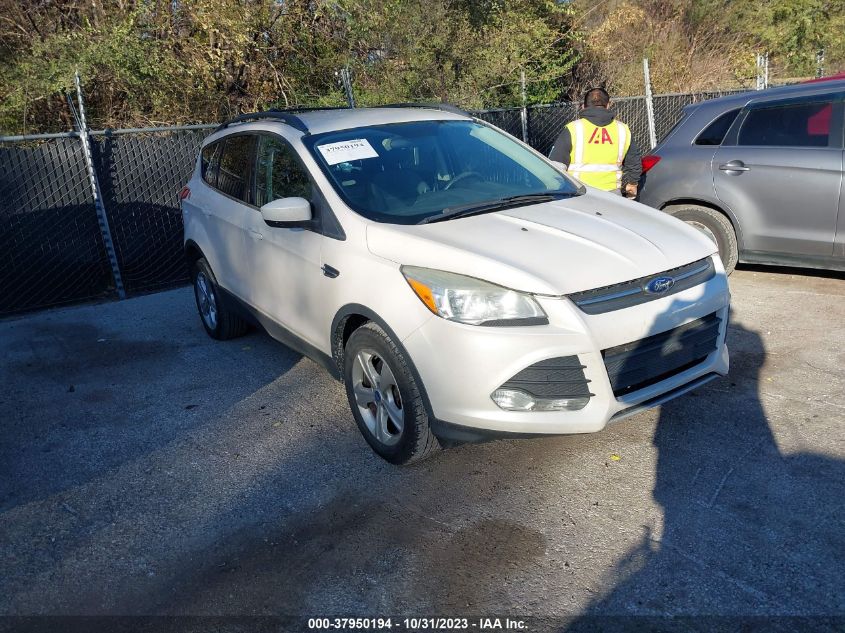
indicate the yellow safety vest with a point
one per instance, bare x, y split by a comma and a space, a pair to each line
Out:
597, 152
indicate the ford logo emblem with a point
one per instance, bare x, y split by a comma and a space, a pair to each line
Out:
659, 285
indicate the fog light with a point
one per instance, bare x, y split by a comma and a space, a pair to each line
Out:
513, 400
518, 400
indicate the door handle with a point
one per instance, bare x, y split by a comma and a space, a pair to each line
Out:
734, 165
256, 235
330, 271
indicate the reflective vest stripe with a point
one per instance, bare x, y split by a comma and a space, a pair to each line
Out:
578, 163
593, 168
620, 158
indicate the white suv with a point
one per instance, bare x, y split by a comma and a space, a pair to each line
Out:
459, 284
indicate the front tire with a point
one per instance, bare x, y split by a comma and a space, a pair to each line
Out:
385, 399
714, 225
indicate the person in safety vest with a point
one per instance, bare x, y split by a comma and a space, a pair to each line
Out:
598, 149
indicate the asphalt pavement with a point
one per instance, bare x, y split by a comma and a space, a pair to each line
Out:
147, 469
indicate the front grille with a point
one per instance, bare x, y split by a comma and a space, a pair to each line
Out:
631, 293
553, 378
636, 365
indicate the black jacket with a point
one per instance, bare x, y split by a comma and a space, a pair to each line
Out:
631, 167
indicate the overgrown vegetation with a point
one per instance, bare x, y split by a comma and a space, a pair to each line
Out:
704, 44
149, 62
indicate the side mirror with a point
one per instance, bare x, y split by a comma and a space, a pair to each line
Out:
287, 213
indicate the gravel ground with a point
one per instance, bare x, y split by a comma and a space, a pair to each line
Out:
146, 469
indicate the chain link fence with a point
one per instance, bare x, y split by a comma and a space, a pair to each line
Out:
507, 119
140, 175
545, 122
52, 249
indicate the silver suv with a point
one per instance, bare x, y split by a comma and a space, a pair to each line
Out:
760, 173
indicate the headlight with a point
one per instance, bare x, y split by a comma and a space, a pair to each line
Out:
472, 301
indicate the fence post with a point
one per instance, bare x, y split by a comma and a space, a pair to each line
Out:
762, 71
523, 114
102, 218
820, 64
766, 70
346, 80
649, 105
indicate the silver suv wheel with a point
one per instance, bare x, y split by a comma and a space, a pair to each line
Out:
385, 397
705, 230
713, 224
377, 396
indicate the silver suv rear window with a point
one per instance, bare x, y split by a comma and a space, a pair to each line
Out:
714, 133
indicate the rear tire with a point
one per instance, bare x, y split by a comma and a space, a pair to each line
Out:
217, 318
714, 225
385, 399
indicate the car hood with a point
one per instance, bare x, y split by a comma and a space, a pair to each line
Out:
552, 248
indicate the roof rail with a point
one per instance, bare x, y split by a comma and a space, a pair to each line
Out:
446, 107
286, 117
303, 108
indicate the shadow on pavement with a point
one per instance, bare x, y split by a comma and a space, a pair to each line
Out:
820, 273
747, 530
84, 398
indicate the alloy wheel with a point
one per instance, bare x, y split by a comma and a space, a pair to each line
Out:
378, 398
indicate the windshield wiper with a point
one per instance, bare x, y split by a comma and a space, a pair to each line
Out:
477, 208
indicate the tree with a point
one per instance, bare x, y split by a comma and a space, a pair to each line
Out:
791, 31
164, 61
705, 44
686, 52
470, 53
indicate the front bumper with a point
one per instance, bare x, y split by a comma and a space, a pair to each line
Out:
461, 365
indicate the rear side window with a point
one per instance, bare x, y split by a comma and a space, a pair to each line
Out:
714, 133
687, 111
209, 163
235, 160
794, 125
278, 172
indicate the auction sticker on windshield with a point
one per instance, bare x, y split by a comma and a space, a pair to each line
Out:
355, 149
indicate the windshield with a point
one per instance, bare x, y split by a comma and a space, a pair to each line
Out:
403, 173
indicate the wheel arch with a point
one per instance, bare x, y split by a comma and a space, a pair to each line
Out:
193, 253
724, 210
352, 316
